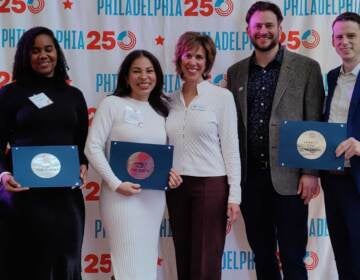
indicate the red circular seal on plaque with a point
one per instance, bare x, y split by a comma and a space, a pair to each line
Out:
140, 165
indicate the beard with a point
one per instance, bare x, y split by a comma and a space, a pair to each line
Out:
273, 43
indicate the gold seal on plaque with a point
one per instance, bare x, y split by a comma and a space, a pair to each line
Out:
311, 144
45, 165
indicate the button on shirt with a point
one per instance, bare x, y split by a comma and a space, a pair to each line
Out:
205, 136
260, 93
340, 102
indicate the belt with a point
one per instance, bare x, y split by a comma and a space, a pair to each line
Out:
344, 172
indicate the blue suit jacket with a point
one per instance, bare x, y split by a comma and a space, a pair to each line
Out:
353, 123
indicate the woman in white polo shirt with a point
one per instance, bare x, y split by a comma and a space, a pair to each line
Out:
202, 125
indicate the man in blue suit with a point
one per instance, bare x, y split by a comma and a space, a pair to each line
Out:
342, 189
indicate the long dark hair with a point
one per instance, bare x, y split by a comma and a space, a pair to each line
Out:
22, 70
156, 98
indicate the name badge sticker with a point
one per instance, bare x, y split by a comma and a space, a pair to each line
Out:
198, 107
133, 116
41, 100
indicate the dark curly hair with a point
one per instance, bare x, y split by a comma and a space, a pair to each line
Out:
157, 99
22, 70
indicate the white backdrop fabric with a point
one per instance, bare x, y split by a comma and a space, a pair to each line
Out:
96, 35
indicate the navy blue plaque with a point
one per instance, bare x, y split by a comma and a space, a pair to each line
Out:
144, 164
46, 166
311, 145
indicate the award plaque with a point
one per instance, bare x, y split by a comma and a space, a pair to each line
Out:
46, 166
311, 145
144, 164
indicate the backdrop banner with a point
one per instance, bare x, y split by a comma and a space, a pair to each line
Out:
96, 35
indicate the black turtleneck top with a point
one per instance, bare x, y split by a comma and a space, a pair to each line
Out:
65, 122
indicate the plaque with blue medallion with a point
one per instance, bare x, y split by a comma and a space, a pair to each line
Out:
144, 164
311, 145
46, 166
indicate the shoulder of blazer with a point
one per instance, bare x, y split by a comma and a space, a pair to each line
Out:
297, 58
331, 78
240, 64
334, 73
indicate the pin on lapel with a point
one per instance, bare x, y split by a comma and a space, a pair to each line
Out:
241, 88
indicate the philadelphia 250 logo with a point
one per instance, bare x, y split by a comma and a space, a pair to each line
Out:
311, 260
107, 40
293, 39
20, 6
206, 8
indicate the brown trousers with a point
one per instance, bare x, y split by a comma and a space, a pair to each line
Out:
197, 210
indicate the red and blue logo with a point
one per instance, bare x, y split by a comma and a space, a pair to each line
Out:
311, 260
35, 6
310, 39
107, 40
206, 8
293, 39
126, 40
224, 7
19, 6
220, 80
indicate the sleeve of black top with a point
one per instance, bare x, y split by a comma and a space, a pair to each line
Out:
6, 121
82, 126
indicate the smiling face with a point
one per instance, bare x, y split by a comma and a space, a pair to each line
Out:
141, 78
193, 64
264, 30
346, 40
43, 56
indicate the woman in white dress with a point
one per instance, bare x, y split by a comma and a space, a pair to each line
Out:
132, 216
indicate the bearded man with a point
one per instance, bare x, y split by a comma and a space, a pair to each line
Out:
270, 86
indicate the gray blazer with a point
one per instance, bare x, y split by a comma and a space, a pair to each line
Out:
299, 95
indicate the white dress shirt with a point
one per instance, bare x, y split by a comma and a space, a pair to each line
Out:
205, 136
340, 103
342, 95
